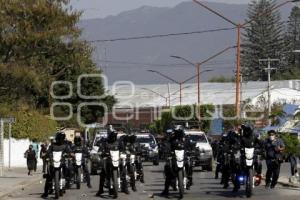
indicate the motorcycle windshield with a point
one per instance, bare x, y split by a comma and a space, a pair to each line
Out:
57, 155
78, 158
179, 155
115, 155
249, 153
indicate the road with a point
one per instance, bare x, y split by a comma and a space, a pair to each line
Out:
205, 188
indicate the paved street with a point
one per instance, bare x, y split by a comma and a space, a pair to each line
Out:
205, 188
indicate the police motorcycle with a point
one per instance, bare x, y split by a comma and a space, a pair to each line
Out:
138, 153
248, 169
111, 162
249, 154
190, 157
245, 175
132, 162
78, 159
127, 163
69, 168
139, 173
176, 163
57, 158
57, 153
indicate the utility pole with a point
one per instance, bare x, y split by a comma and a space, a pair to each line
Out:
238, 27
9, 145
1, 147
169, 95
241, 97
269, 70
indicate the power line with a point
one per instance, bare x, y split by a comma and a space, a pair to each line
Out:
171, 34
217, 62
161, 35
218, 67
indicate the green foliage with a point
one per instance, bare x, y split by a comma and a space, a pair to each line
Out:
292, 39
264, 38
292, 144
185, 111
221, 79
292, 43
166, 120
181, 114
40, 43
276, 112
291, 73
29, 123
156, 127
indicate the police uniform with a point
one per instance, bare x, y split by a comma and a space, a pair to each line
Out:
273, 160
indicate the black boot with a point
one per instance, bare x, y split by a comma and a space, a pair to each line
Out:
165, 193
99, 193
44, 196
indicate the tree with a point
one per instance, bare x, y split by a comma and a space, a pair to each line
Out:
263, 38
292, 42
221, 79
187, 113
40, 43
293, 36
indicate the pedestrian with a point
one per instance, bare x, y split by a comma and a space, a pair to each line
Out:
293, 162
31, 157
274, 147
35, 147
43, 154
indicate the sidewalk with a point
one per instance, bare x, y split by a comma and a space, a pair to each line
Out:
284, 178
15, 179
285, 181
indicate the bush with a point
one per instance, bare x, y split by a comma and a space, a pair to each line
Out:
292, 144
186, 111
29, 124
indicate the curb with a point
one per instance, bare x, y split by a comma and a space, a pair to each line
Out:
286, 184
21, 186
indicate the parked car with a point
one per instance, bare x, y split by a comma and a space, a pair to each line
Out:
204, 149
149, 147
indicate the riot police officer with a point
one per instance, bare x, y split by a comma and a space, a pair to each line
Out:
105, 144
58, 145
78, 147
176, 138
230, 146
127, 147
274, 148
250, 140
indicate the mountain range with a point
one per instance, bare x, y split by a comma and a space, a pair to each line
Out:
130, 59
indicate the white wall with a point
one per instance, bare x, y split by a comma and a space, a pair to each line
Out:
18, 148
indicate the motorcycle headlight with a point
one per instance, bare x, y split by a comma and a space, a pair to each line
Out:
241, 179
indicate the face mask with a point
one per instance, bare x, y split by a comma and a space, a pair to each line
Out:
272, 137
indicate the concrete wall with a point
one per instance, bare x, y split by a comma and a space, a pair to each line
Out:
18, 148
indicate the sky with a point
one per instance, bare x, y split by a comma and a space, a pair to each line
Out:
104, 8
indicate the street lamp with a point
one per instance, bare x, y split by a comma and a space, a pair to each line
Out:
166, 98
177, 82
239, 26
186, 87
199, 64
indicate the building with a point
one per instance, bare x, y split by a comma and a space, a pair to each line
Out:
139, 106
